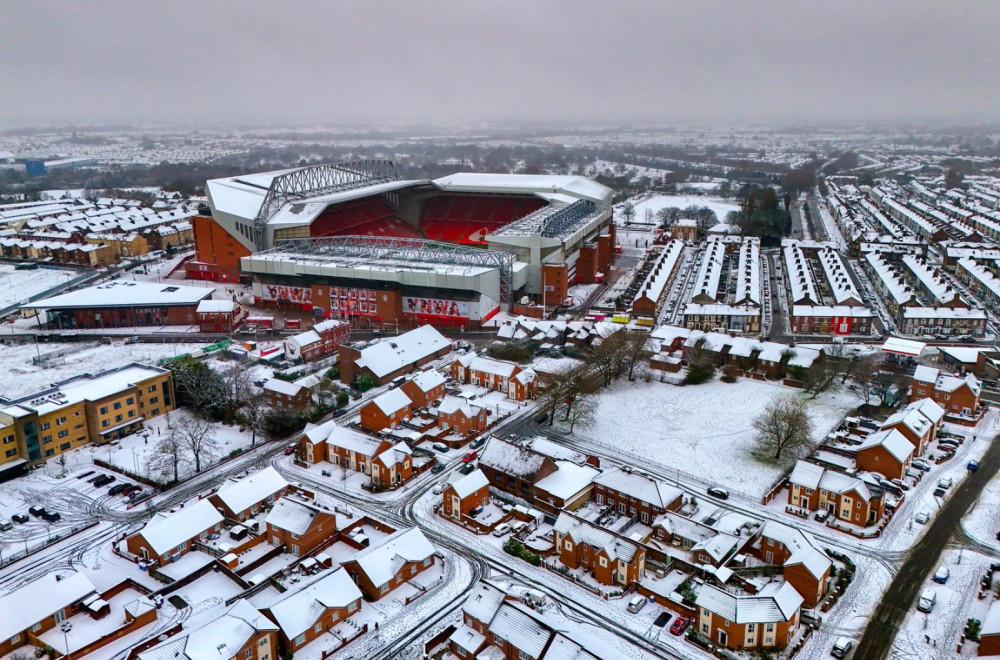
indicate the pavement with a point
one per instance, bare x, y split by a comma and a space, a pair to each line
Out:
901, 596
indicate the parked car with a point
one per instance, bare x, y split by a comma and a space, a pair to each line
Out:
51, 517
945, 482
438, 467
339, 412
942, 574
467, 468
972, 466
501, 529
440, 446
940, 492
822, 515
506, 508
927, 600
20, 518
477, 443
37, 511
921, 465
720, 493
810, 616
636, 604
679, 625
922, 517
290, 449
132, 493
842, 647
5, 524
439, 488
470, 456
900, 484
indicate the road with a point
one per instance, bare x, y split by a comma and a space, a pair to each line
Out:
899, 599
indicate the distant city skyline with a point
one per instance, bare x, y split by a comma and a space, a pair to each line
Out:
492, 63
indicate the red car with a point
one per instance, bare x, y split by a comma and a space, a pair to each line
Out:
679, 625
471, 456
289, 450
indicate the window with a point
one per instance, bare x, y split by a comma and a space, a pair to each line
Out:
384, 588
263, 641
154, 412
427, 562
300, 639
64, 446
8, 439
104, 410
751, 627
44, 426
413, 569
179, 549
61, 420
118, 418
11, 452
104, 422
118, 405
318, 627
130, 401
151, 388
46, 439
498, 640
769, 627
154, 399
15, 639
353, 606
63, 433
521, 655
131, 413
248, 654
36, 627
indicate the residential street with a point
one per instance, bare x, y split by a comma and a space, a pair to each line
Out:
902, 593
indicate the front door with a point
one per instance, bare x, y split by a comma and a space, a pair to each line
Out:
723, 637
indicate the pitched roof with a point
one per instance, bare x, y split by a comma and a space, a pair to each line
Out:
511, 459
801, 547
341, 436
806, 474
244, 493
292, 515
282, 387
165, 533
394, 353
894, 442
392, 401
777, 601
297, 612
381, 562
470, 483
34, 601
428, 380
222, 637
484, 601
584, 532
640, 486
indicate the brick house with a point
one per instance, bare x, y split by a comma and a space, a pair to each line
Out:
26, 614
310, 612
515, 468
241, 633
957, 395
457, 415
387, 410
636, 494
466, 494
886, 452
612, 560
286, 396
393, 356
848, 498
498, 375
300, 527
424, 388
989, 634
220, 316
806, 567
918, 421
167, 538
704, 544
392, 466
378, 569
240, 499
765, 620
323, 339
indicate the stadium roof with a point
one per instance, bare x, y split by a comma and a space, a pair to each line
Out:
574, 186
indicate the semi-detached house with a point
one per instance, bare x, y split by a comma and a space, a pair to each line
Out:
311, 611
805, 565
887, 452
516, 382
301, 527
918, 421
611, 559
242, 498
167, 538
30, 610
957, 395
378, 569
636, 494
846, 497
241, 633
765, 620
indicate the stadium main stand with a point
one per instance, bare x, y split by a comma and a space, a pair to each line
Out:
346, 219
467, 219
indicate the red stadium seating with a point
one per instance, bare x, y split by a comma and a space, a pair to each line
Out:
468, 218
346, 219
391, 227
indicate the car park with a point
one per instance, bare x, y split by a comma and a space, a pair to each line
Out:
942, 574
922, 517
720, 493
636, 604
679, 625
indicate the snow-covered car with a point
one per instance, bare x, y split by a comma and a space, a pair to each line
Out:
945, 483
842, 647
942, 574
922, 517
636, 604
927, 600
501, 529
921, 464
439, 488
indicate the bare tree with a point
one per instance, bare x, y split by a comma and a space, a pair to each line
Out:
582, 413
237, 381
255, 409
884, 382
197, 436
822, 377
635, 352
782, 426
628, 212
168, 455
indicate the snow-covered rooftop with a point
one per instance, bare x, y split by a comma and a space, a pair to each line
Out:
125, 294
243, 493
382, 561
164, 533
297, 612
394, 353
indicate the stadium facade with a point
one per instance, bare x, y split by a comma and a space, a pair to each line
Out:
354, 240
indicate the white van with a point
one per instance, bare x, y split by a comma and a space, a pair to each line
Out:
927, 600
534, 597
501, 529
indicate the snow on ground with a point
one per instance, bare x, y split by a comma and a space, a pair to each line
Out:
688, 428
656, 202
17, 285
956, 603
25, 378
983, 521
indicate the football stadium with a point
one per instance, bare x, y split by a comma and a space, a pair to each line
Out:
356, 241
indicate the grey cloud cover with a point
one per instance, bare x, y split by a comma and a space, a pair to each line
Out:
470, 62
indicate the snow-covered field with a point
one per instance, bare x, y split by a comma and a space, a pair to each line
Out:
703, 430
656, 202
17, 285
23, 377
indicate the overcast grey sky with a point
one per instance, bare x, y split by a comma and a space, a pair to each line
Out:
471, 62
